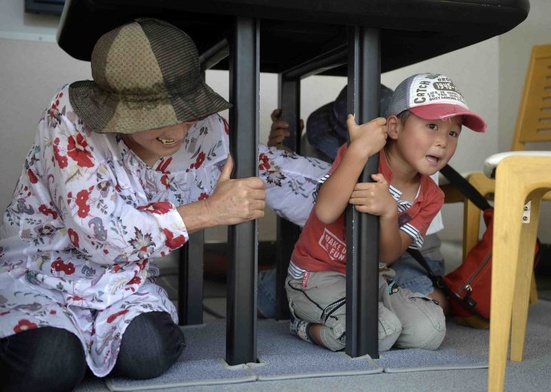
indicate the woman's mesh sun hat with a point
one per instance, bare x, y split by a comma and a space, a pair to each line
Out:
433, 97
146, 76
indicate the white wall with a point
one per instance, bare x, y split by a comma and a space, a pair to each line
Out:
490, 75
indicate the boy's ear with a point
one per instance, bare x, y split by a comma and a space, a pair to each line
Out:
393, 124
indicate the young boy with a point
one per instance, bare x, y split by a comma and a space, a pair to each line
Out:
418, 137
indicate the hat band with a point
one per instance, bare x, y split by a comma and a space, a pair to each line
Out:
160, 91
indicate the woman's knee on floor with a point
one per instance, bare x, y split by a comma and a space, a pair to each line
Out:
151, 344
43, 359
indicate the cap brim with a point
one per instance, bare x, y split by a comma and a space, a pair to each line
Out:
444, 111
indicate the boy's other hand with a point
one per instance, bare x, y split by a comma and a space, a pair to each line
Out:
373, 197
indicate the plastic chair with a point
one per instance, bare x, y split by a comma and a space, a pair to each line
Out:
522, 180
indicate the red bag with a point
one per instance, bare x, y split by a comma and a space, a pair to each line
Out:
469, 285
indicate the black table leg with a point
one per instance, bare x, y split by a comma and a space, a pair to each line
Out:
362, 230
190, 280
287, 232
243, 238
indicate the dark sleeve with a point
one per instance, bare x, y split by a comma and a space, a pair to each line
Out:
326, 128
340, 112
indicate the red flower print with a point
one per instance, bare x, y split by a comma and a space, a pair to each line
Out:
59, 266
60, 159
112, 318
73, 237
204, 196
78, 150
199, 161
165, 181
24, 325
173, 242
32, 176
157, 208
47, 211
83, 207
134, 280
55, 105
264, 163
83, 211
164, 165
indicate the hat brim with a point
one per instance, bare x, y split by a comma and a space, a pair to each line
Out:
444, 111
107, 113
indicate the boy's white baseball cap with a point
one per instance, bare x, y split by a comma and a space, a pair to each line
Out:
433, 97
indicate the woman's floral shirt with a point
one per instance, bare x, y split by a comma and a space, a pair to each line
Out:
88, 218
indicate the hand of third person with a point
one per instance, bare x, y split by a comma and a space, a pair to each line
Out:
279, 131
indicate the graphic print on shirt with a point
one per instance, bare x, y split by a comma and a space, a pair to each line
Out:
333, 246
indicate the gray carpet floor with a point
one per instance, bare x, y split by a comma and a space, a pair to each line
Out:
532, 374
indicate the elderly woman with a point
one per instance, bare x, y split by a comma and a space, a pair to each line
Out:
123, 168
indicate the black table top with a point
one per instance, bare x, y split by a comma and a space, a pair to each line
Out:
294, 31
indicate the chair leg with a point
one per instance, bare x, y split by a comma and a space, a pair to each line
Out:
508, 206
525, 272
471, 226
533, 290
471, 213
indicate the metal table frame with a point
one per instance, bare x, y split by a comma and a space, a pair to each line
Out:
416, 29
